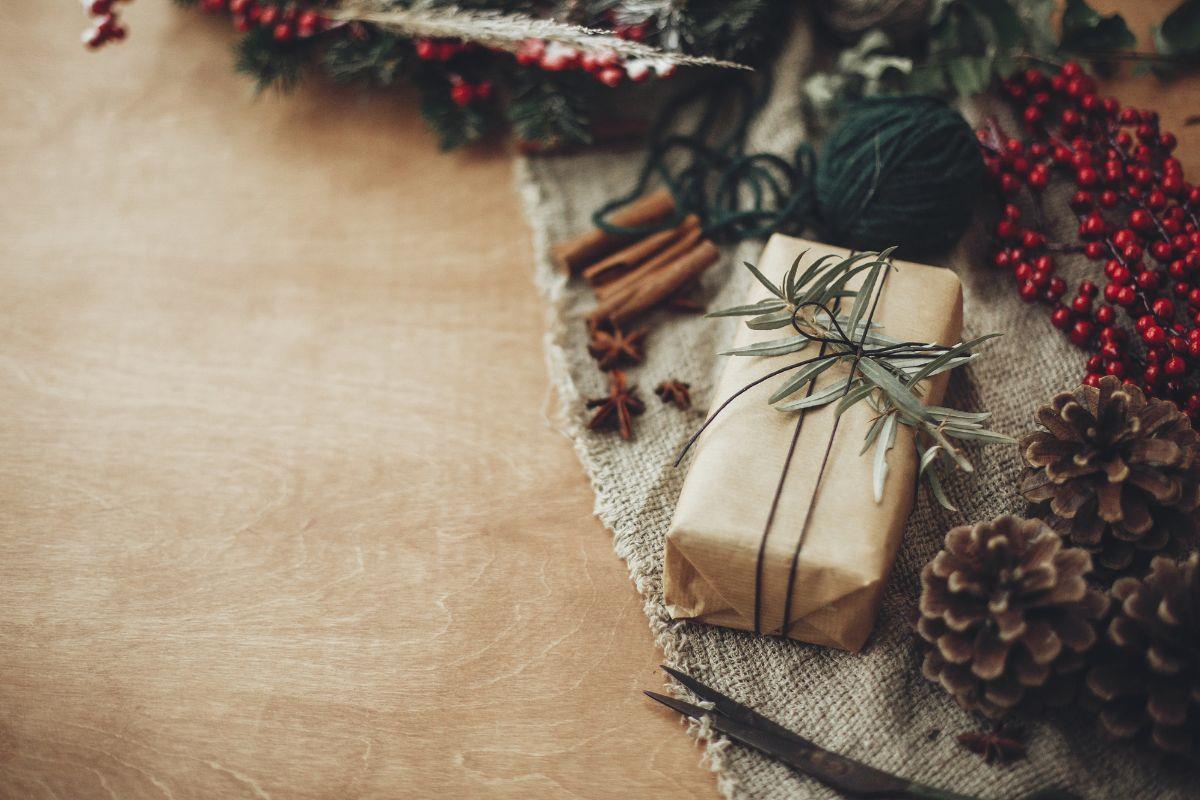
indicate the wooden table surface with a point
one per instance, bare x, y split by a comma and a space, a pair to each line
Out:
280, 515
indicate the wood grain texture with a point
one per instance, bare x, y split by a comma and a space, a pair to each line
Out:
280, 515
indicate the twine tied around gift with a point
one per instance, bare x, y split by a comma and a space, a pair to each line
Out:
842, 344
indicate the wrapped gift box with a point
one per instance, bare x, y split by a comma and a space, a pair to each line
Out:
842, 564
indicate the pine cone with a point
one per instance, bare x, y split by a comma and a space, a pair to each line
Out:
1115, 548
1008, 614
1113, 472
1148, 677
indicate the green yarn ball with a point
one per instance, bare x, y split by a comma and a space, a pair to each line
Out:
902, 171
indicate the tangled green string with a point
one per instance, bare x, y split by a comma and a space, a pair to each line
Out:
897, 170
736, 195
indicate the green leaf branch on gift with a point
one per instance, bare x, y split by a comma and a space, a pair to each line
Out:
886, 373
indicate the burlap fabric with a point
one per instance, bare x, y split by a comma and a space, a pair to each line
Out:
874, 705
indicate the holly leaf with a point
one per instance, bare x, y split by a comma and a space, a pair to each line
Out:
868, 68
970, 74
1178, 37
1007, 30
969, 44
1038, 18
1086, 32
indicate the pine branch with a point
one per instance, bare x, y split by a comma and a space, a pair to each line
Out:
549, 110
380, 59
455, 125
273, 65
507, 31
730, 27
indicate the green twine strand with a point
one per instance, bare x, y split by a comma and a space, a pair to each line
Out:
898, 170
736, 195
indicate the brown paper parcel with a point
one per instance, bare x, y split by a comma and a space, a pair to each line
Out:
851, 541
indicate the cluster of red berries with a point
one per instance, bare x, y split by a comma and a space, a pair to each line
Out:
606, 65
440, 49
1135, 214
285, 21
106, 27
463, 93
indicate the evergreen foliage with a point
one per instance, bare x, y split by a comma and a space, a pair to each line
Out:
542, 106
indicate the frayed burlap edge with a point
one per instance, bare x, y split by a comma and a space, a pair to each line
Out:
563, 395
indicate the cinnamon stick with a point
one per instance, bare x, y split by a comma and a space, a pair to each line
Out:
576, 254
689, 240
626, 259
656, 287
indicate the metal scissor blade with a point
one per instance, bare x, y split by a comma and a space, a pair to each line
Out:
682, 706
732, 708
844, 774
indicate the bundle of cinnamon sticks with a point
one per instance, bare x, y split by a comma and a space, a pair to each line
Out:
632, 274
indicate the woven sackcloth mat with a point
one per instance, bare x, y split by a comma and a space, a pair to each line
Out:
874, 705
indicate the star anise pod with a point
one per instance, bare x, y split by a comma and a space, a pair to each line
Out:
999, 745
675, 392
612, 347
618, 409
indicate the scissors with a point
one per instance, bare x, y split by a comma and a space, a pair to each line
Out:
852, 778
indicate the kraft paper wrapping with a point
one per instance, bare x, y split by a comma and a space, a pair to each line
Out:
713, 543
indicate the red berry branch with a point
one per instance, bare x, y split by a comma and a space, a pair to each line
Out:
607, 66
1134, 212
106, 26
286, 22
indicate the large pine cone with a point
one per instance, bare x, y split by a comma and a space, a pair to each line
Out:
1113, 472
1148, 677
1008, 614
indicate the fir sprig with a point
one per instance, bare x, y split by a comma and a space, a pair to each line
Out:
884, 372
550, 108
506, 31
379, 42
378, 57
273, 65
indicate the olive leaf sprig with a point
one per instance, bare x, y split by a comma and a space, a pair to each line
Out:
884, 372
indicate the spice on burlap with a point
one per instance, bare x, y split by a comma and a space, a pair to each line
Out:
617, 410
1007, 615
612, 347
574, 255
1147, 680
1000, 745
631, 274
675, 392
1114, 472
634, 273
